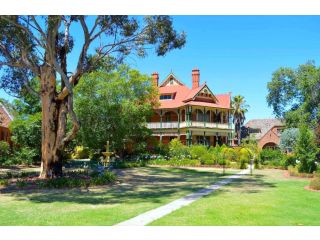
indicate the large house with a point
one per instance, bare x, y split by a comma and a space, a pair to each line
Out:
266, 132
195, 116
5, 119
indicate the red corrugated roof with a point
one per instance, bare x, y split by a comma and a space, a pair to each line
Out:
183, 93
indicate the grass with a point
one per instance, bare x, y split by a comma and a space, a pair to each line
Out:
139, 190
267, 198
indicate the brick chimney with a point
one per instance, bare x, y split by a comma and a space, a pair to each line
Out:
155, 77
195, 78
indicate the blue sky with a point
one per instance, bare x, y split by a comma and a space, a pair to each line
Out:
237, 53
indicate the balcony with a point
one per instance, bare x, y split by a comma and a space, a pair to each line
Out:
173, 125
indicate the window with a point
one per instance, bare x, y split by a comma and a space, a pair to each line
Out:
165, 97
171, 81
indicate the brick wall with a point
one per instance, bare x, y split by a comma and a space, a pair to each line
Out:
270, 137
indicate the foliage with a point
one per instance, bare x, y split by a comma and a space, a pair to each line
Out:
294, 171
177, 149
288, 139
80, 181
122, 116
197, 150
306, 150
176, 162
216, 153
245, 157
4, 151
230, 154
129, 164
80, 152
315, 183
271, 155
240, 108
26, 133
23, 156
294, 94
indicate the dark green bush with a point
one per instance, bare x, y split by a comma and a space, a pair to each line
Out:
272, 157
315, 183
4, 152
26, 133
76, 182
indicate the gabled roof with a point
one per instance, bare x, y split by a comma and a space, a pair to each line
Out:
264, 125
5, 116
184, 96
193, 93
167, 79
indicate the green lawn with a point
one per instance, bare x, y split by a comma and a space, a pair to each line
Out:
267, 198
139, 190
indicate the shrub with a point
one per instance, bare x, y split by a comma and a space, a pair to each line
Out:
175, 162
272, 157
306, 150
80, 152
79, 181
177, 149
245, 157
23, 155
129, 164
315, 183
197, 151
4, 151
206, 159
290, 160
294, 171
105, 178
230, 154
216, 154
26, 133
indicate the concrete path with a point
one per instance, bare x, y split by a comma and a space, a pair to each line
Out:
152, 215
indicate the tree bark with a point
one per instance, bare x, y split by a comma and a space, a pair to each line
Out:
54, 117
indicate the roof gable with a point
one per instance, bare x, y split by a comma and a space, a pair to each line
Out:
202, 92
171, 80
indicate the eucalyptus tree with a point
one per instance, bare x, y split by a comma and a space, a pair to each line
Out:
240, 107
44, 47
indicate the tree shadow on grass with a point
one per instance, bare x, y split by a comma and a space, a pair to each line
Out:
139, 185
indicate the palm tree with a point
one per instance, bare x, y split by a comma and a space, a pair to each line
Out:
239, 109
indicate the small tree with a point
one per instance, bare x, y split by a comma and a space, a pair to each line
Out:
306, 150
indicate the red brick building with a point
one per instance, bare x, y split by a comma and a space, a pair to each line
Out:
267, 132
5, 119
195, 115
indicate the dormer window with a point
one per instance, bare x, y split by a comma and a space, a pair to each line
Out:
166, 97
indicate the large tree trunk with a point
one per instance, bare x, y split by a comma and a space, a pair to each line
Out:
53, 126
